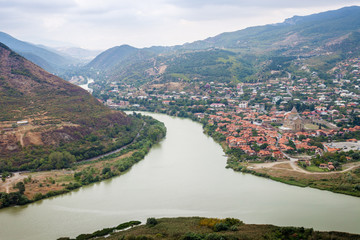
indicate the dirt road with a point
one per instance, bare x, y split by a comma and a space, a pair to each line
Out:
296, 168
10, 181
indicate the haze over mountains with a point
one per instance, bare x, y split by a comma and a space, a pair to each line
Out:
232, 55
53, 60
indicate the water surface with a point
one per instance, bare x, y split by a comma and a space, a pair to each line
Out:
184, 175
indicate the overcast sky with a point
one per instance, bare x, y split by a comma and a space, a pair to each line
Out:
101, 24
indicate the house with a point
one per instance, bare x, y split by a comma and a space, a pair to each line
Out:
23, 122
243, 104
217, 105
264, 153
277, 155
323, 165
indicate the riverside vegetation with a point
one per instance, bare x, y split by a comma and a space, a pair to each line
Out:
34, 188
47, 123
339, 182
196, 228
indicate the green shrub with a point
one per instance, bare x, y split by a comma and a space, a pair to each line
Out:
151, 222
192, 236
221, 227
38, 196
214, 236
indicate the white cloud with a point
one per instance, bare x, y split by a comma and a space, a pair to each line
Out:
106, 23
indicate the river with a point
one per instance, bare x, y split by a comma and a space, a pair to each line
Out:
86, 86
184, 175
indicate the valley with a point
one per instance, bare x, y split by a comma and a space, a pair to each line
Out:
251, 124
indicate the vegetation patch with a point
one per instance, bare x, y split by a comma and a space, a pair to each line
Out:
195, 228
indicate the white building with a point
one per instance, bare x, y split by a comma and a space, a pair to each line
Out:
243, 104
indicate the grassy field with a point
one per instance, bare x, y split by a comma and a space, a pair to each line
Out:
196, 228
311, 126
339, 182
314, 168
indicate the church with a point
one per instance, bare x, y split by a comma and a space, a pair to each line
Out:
293, 121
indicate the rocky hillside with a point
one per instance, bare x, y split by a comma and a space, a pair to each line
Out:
41, 113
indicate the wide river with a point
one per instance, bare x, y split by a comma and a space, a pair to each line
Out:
184, 175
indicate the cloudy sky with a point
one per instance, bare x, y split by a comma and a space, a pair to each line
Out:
101, 24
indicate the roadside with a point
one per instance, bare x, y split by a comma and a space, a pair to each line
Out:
296, 168
7, 185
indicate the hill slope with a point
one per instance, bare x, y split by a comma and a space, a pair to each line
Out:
312, 30
243, 55
58, 116
49, 60
120, 55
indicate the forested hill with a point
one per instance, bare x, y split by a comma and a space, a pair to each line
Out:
41, 113
299, 31
120, 55
241, 56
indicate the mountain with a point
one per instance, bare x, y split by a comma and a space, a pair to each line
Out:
84, 55
45, 58
312, 30
123, 54
41, 114
244, 55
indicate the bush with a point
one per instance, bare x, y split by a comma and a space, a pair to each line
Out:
214, 236
221, 227
127, 224
192, 236
233, 221
38, 196
233, 228
209, 222
151, 222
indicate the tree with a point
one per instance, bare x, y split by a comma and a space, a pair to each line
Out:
151, 221
21, 187
263, 146
302, 137
254, 132
292, 144
4, 175
61, 159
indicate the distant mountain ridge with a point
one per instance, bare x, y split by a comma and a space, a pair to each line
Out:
300, 36
79, 53
49, 60
123, 54
313, 28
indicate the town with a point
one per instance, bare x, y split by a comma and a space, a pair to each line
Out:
299, 116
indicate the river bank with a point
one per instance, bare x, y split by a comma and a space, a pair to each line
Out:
181, 176
210, 228
345, 182
45, 184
